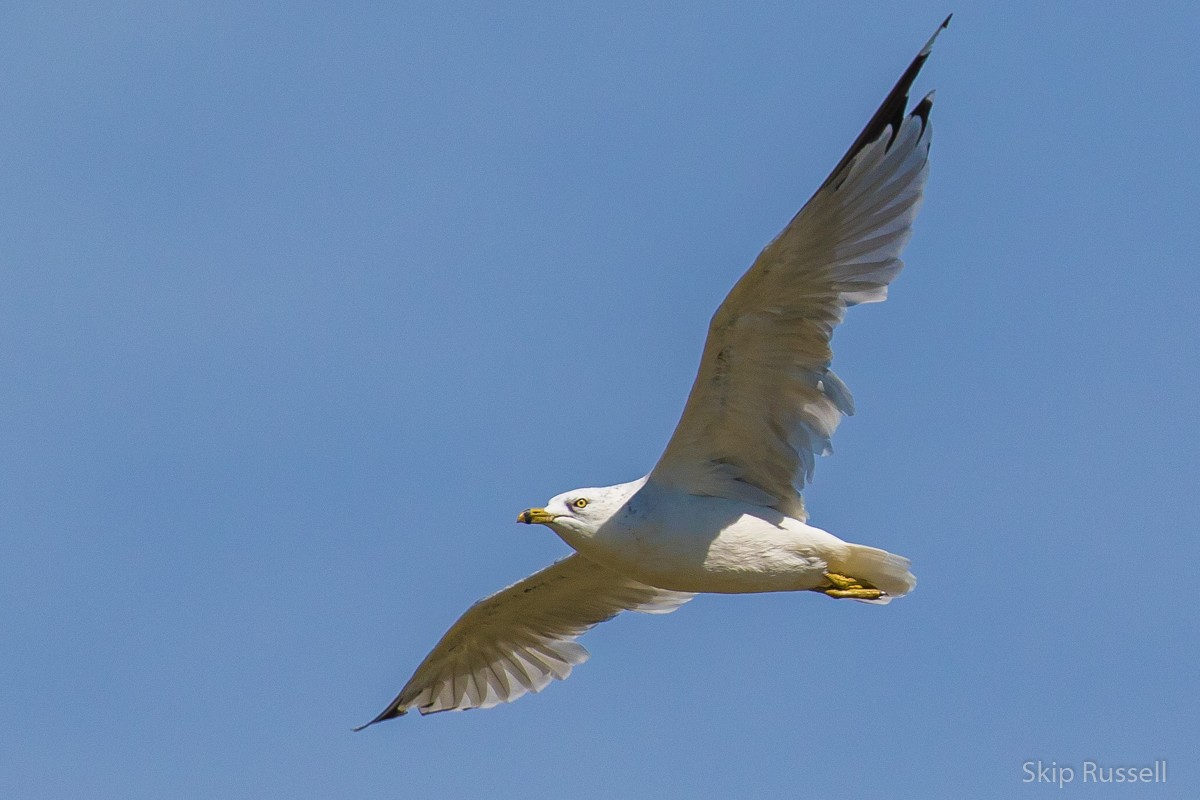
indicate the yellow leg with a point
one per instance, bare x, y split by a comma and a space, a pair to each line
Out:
843, 586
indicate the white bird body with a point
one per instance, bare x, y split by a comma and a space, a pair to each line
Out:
709, 544
721, 511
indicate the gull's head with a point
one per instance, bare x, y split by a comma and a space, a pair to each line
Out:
580, 512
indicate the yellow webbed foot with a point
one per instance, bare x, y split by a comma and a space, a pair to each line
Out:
837, 581
843, 586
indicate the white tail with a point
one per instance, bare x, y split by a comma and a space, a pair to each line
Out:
881, 569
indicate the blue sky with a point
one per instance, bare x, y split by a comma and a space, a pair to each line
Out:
303, 303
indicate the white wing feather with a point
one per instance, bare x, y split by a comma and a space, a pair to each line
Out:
765, 402
522, 637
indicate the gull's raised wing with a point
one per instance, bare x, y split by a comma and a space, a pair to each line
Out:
765, 401
521, 637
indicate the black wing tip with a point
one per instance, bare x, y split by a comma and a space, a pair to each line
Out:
890, 113
923, 108
929, 45
391, 712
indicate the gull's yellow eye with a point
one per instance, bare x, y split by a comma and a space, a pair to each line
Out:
580, 503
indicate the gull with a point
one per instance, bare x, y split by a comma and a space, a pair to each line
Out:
721, 511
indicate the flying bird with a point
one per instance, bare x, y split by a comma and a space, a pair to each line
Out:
721, 511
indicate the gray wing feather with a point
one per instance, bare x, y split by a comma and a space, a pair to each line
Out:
765, 401
522, 637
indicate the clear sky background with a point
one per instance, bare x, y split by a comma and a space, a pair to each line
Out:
301, 304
